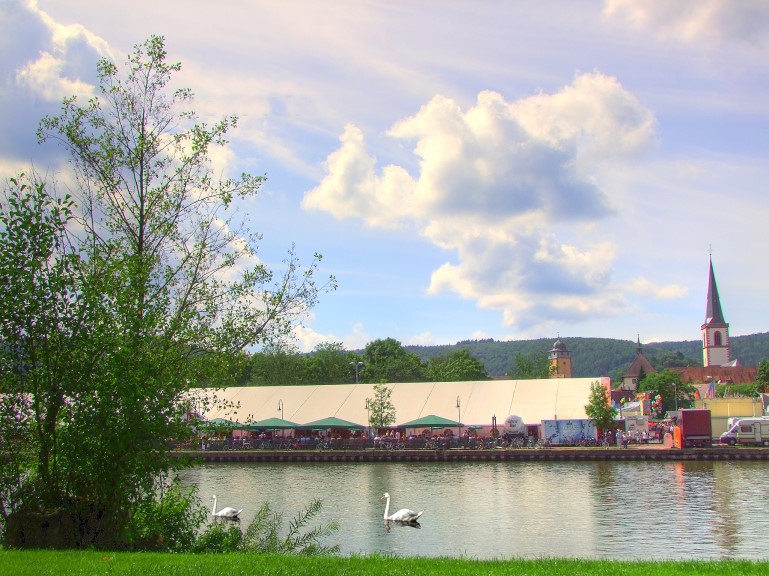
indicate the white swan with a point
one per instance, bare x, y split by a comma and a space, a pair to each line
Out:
402, 515
226, 512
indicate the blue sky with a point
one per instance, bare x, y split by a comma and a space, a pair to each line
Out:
504, 170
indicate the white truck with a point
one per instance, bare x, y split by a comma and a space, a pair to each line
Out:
749, 431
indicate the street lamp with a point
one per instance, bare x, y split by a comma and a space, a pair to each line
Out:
459, 419
368, 416
675, 393
357, 366
280, 409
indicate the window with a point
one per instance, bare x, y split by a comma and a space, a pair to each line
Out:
717, 338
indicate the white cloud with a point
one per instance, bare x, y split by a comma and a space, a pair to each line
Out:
744, 21
67, 65
512, 188
645, 287
306, 338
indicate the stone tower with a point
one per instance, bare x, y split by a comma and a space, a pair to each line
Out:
560, 360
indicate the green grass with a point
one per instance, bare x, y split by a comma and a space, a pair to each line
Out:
66, 563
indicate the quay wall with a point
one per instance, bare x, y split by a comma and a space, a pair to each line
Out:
457, 455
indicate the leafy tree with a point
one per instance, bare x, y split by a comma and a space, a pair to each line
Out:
599, 409
668, 384
762, 377
529, 367
381, 408
47, 350
670, 359
330, 363
387, 361
119, 308
456, 366
277, 366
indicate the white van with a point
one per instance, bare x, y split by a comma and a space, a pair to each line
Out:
730, 422
748, 431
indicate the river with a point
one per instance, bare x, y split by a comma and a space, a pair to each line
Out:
497, 510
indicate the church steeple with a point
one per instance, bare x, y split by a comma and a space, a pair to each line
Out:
713, 313
716, 348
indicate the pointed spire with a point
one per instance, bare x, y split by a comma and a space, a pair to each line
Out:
713, 313
638, 345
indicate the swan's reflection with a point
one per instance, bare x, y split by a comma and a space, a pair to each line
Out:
413, 524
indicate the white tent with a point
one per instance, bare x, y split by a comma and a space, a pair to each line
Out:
472, 403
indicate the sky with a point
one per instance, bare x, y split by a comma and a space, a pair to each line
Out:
468, 169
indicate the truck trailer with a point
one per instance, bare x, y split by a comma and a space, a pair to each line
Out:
694, 429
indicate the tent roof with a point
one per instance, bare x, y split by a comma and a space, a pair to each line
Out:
273, 424
431, 421
480, 401
221, 423
333, 422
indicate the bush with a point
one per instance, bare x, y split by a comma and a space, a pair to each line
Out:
263, 535
169, 522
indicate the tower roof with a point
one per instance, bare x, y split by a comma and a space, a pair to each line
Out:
713, 313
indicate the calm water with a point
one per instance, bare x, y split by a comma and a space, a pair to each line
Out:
658, 510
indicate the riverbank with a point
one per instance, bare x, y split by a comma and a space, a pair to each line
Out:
66, 563
652, 452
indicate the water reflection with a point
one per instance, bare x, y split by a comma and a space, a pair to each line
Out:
504, 510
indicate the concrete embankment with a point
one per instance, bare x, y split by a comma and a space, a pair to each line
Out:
499, 455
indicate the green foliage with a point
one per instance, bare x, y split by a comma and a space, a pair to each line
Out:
106, 328
169, 522
381, 410
599, 356
526, 367
457, 366
668, 384
387, 361
599, 409
219, 538
762, 377
330, 363
264, 534
277, 367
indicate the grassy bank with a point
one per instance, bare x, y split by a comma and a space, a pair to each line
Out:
148, 564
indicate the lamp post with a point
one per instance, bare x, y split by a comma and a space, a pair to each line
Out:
357, 366
280, 409
368, 416
459, 419
675, 393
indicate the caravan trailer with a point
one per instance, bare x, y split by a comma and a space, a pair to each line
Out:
753, 431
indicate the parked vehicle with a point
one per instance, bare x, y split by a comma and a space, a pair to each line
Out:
694, 429
749, 431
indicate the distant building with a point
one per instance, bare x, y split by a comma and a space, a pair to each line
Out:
716, 347
560, 360
718, 365
637, 370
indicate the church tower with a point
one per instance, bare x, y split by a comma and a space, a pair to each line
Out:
716, 348
560, 360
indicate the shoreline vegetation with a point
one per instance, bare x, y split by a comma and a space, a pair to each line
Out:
65, 563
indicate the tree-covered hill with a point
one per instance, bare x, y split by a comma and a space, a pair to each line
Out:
599, 356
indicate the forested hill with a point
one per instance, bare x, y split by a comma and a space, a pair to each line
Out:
599, 356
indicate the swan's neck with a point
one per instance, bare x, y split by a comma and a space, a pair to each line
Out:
213, 510
387, 508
